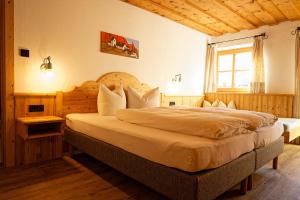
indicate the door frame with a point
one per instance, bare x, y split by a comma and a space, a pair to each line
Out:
7, 83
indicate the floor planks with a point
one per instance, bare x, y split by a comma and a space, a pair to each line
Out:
83, 177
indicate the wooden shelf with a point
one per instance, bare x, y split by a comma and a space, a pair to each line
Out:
40, 120
43, 135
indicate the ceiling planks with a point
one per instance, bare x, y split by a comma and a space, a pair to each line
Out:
173, 15
288, 8
217, 17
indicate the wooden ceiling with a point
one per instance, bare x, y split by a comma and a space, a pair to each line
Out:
217, 17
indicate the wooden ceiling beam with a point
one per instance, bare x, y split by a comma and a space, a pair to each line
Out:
219, 2
210, 15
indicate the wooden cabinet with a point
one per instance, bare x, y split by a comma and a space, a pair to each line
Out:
39, 139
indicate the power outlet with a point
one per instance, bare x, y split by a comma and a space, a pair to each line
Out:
36, 108
24, 53
172, 103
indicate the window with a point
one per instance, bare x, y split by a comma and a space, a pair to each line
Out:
233, 69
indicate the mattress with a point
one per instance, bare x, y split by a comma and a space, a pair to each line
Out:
184, 152
180, 151
290, 123
292, 126
268, 134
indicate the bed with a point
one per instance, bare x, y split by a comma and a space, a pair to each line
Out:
291, 129
185, 179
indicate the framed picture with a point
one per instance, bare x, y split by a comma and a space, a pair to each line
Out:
119, 45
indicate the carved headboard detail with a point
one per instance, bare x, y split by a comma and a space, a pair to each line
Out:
83, 99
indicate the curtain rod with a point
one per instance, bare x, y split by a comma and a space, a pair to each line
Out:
262, 34
295, 31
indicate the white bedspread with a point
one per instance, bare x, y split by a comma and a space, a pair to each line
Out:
209, 123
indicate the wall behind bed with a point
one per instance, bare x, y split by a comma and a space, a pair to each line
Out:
68, 31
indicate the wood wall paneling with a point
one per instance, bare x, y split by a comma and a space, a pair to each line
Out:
280, 105
182, 100
22, 101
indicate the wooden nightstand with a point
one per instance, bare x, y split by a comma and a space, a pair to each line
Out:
39, 138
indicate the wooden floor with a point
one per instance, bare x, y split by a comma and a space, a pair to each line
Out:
82, 177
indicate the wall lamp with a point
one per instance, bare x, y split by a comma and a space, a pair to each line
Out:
47, 65
177, 78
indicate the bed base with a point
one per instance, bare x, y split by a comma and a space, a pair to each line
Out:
170, 182
270, 152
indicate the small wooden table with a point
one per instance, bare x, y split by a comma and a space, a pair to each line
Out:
39, 138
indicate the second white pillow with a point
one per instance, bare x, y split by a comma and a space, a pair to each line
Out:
222, 104
149, 99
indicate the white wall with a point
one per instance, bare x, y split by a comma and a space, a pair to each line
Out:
69, 31
278, 53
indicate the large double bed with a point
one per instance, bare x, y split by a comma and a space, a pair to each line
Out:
176, 165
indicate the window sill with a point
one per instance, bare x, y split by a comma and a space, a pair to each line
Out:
233, 90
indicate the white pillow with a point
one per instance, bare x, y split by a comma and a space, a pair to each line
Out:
149, 99
109, 102
215, 103
231, 105
206, 104
222, 104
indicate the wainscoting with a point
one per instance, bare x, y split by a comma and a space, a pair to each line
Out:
23, 100
280, 105
182, 100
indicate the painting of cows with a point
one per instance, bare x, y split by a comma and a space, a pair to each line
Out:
119, 45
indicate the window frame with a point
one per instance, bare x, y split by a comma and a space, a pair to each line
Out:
233, 70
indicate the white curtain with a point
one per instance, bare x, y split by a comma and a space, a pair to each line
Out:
257, 84
296, 109
210, 71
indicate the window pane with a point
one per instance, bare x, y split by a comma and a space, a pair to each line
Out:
241, 79
243, 60
225, 62
225, 79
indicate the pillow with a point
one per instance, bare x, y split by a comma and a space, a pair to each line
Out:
222, 104
215, 103
206, 104
109, 102
149, 99
231, 105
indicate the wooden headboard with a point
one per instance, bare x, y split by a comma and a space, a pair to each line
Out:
280, 105
83, 99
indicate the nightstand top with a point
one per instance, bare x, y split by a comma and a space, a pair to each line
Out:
40, 120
